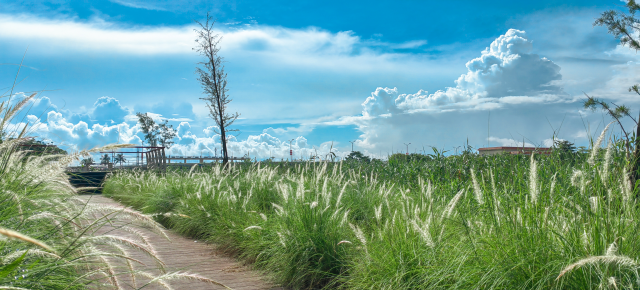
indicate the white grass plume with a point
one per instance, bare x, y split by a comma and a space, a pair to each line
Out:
341, 193
476, 187
16, 235
594, 260
183, 276
452, 204
604, 174
596, 146
253, 228
533, 180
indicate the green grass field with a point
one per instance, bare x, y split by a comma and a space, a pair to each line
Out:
565, 221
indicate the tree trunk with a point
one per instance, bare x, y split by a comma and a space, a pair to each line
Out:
223, 138
635, 161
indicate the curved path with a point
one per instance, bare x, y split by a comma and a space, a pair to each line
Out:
183, 254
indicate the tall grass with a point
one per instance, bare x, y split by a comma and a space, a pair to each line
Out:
51, 239
456, 222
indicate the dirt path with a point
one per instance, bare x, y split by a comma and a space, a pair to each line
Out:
182, 254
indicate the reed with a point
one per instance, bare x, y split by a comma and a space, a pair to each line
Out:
438, 222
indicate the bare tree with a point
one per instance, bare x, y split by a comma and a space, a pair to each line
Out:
213, 79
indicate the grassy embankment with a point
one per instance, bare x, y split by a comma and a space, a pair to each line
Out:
457, 222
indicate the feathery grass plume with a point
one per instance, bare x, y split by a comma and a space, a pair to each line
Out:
452, 204
604, 174
576, 177
279, 209
612, 249
29, 253
253, 227
24, 238
344, 217
360, 235
125, 213
596, 146
622, 261
424, 233
626, 186
476, 188
553, 186
110, 239
183, 276
594, 203
533, 179
341, 193
281, 238
378, 212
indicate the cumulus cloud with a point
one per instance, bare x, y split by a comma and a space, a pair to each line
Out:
80, 136
108, 110
507, 78
85, 132
505, 72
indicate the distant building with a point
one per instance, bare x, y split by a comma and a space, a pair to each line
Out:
513, 150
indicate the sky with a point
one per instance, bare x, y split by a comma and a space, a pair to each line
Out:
315, 75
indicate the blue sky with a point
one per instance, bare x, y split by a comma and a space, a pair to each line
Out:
382, 73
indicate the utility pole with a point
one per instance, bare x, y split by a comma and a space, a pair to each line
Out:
291, 151
407, 147
352, 144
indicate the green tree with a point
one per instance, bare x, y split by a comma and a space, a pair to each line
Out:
213, 79
86, 162
36, 147
105, 159
119, 158
622, 26
357, 156
149, 128
155, 134
564, 146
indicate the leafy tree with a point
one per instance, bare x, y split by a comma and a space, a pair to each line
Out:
622, 26
119, 158
564, 146
105, 159
155, 134
36, 147
166, 135
86, 162
357, 156
149, 128
213, 79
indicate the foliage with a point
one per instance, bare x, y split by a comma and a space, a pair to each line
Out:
48, 236
156, 134
119, 158
623, 26
213, 79
564, 146
86, 162
357, 156
105, 159
34, 147
436, 222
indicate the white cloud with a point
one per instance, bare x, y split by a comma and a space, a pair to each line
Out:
80, 136
507, 75
509, 142
506, 72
